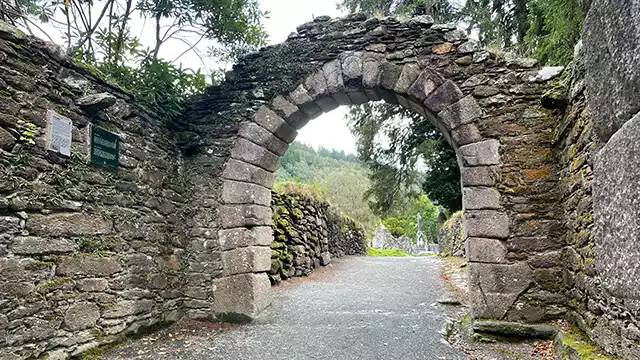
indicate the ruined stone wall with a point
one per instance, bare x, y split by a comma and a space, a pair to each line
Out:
451, 238
307, 234
86, 254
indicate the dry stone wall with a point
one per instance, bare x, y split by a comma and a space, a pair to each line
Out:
451, 236
309, 233
88, 255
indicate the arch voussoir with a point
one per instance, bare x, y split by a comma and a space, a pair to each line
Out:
269, 120
445, 95
261, 136
254, 154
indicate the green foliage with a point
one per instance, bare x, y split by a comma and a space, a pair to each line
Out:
328, 175
441, 10
386, 252
404, 220
555, 28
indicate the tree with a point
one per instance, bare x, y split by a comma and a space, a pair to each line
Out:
404, 220
441, 10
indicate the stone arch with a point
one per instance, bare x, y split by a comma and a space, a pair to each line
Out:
487, 107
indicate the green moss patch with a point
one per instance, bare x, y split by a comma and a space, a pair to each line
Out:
386, 253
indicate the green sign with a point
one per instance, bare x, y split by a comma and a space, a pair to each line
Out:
105, 148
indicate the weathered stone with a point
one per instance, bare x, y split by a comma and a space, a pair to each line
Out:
460, 113
88, 266
235, 216
426, 83
128, 307
7, 31
275, 124
485, 91
261, 136
75, 224
6, 140
327, 103
466, 134
455, 35
289, 111
316, 85
246, 260
612, 81
478, 198
479, 175
371, 71
245, 150
481, 153
494, 288
96, 102
31, 245
547, 73
445, 95
468, 47
81, 316
333, 75
242, 171
409, 75
486, 250
487, 224
389, 75
325, 258
92, 285
352, 68
300, 97
358, 97
241, 297
234, 192
616, 199
504, 328
241, 237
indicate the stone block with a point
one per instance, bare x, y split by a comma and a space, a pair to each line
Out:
31, 245
426, 83
481, 153
487, 224
269, 120
480, 198
616, 200
325, 258
287, 110
468, 47
327, 103
81, 316
241, 297
261, 136
6, 140
371, 70
241, 237
235, 216
234, 192
341, 98
479, 175
373, 94
244, 260
466, 134
409, 75
301, 98
124, 308
251, 153
352, 69
494, 288
316, 85
389, 75
445, 95
333, 74
510, 329
486, 251
88, 266
358, 97
464, 111
92, 285
75, 224
242, 171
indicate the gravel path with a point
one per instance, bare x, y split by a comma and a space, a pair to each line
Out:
356, 308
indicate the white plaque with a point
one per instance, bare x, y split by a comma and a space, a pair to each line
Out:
59, 133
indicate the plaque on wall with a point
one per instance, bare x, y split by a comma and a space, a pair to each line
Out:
104, 147
58, 133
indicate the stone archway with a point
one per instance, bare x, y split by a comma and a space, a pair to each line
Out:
487, 106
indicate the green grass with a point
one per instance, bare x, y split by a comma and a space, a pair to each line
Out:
386, 252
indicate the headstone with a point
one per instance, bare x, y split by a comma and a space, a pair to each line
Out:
58, 133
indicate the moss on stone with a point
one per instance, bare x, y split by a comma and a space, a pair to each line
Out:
586, 350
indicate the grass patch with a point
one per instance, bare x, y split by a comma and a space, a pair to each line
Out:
386, 252
585, 349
